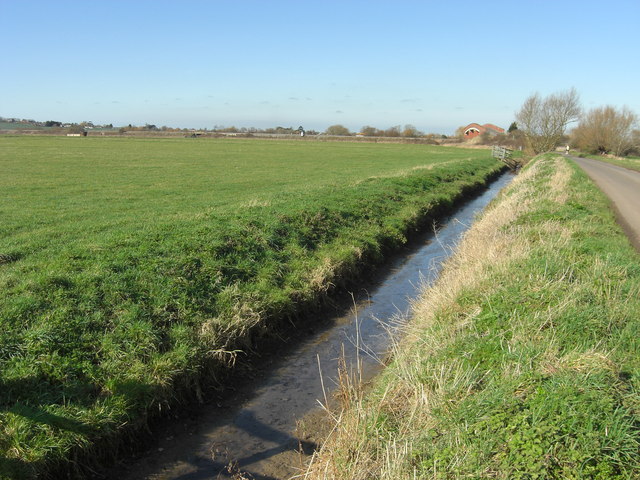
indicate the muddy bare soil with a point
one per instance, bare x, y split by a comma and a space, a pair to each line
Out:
267, 423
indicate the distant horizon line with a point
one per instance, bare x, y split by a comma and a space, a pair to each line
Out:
215, 127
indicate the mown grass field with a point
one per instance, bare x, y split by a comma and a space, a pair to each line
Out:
132, 270
522, 361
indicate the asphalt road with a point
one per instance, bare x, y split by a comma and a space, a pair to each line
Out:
622, 186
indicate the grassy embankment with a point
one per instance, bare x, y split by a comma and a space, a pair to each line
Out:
522, 361
632, 163
132, 269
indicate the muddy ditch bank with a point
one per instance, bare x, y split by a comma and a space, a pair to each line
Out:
268, 418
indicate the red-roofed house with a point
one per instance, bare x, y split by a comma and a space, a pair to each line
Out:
474, 129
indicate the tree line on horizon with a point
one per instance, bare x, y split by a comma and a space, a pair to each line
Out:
407, 131
540, 125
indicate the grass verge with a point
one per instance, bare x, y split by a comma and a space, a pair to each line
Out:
632, 163
522, 361
133, 271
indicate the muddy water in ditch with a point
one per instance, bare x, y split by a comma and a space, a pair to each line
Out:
257, 431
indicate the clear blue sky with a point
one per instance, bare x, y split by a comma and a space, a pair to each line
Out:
434, 64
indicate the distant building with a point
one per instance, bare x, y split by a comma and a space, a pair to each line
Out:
475, 129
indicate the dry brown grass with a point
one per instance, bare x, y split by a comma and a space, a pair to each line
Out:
355, 449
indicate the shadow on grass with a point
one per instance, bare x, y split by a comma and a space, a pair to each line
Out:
36, 400
21, 397
40, 416
14, 468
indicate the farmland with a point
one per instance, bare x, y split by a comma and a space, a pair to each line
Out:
133, 270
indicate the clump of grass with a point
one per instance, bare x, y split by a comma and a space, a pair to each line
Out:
521, 362
147, 266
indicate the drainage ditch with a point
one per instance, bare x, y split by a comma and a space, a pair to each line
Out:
256, 432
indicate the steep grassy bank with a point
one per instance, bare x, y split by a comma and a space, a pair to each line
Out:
132, 270
522, 361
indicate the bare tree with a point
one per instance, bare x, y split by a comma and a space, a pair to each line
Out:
544, 120
392, 131
337, 130
606, 130
410, 131
635, 140
369, 131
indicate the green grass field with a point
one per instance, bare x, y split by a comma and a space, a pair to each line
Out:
133, 269
522, 361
